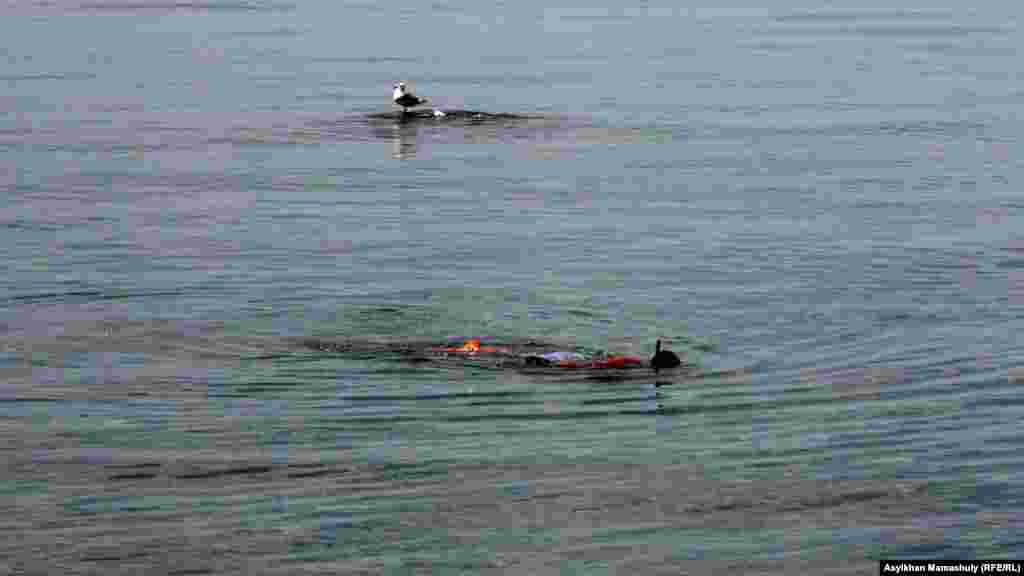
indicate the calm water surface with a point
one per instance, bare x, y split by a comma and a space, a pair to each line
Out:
820, 205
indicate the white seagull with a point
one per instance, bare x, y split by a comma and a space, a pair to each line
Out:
406, 99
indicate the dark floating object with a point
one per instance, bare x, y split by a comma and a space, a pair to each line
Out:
444, 115
664, 358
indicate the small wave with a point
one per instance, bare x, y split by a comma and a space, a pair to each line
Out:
383, 398
56, 296
282, 32
366, 60
877, 28
91, 295
1012, 263
864, 15
183, 6
47, 76
888, 128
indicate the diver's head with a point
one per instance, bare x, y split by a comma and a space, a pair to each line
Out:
664, 358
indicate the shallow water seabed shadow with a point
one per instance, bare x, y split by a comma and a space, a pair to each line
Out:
410, 132
596, 508
381, 126
227, 489
175, 137
101, 360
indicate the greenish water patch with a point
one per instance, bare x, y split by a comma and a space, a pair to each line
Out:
331, 532
17, 487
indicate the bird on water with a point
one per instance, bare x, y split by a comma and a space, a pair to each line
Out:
664, 358
406, 99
